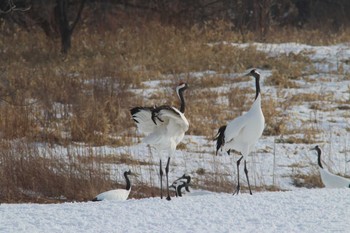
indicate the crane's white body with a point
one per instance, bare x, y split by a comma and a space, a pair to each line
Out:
114, 195
166, 134
333, 181
243, 132
165, 127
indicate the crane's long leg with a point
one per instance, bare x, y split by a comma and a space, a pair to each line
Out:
167, 178
161, 178
238, 184
246, 174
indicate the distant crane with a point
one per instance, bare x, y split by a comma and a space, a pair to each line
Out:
243, 132
328, 179
116, 194
165, 127
182, 182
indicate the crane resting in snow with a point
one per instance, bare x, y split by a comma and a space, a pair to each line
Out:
328, 179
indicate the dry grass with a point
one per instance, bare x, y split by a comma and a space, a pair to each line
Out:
307, 36
307, 181
275, 120
286, 73
26, 175
113, 159
85, 97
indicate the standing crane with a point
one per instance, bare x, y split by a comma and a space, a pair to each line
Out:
165, 127
242, 133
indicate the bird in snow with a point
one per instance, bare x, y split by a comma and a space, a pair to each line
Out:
165, 127
243, 132
182, 182
116, 194
328, 179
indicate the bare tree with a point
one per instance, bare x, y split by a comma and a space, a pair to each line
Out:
9, 6
66, 29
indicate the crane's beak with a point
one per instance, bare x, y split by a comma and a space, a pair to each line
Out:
134, 174
247, 75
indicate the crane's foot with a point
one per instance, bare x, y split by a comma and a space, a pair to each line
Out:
161, 178
167, 179
237, 190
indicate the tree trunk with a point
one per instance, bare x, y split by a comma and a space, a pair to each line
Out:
66, 30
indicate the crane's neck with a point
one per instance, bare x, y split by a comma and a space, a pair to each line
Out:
319, 157
188, 178
178, 190
257, 86
128, 184
182, 100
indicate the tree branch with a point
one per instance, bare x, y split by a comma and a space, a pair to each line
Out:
13, 7
81, 7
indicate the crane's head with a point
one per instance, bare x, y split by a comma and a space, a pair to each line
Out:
130, 173
253, 73
186, 176
317, 148
182, 86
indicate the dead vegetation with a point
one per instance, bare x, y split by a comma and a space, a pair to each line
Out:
84, 98
307, 181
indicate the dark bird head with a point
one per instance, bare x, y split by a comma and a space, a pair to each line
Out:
256, 75
179, 91
181, 87
186, 177
130, 173
253, 73
317, 148
127, 172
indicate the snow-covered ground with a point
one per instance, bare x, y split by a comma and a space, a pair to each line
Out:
271, 163
317, 210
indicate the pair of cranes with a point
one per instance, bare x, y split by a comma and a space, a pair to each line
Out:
165, 127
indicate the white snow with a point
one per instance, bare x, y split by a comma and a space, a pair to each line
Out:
297, 210
317, 210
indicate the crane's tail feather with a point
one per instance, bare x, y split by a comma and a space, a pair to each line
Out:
220, 138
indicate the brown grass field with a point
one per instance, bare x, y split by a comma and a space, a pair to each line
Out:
84, 98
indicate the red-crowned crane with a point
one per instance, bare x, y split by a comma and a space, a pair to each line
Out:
242, 133
328, 179
116, 194
182, 182
165, 127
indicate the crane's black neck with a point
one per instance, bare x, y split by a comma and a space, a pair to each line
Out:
182, 100
128, 184
319, 157
178, 190
257, 85
188, 178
